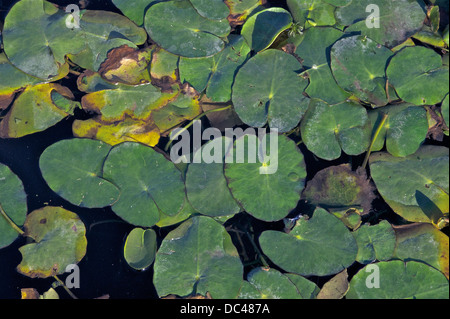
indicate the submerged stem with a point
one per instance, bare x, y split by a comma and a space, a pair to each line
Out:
374, 138
65, 287
10, 221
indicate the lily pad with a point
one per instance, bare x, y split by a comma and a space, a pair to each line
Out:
329, 130
445, 111
398, 20
204, 179
72, 169
275, 96
135, 10
36, 109
187, 264
178, 28
375, 242
215, 74
336, 287
425, 243
418, 76
262, 28
399, 280
13, 203
306, 288
269, 284
59, 240
402, 182
359, 66
319, 246
269, 189
404, 131
312, 12
211, 9
43, 53
140, 248
148, 183
314, 51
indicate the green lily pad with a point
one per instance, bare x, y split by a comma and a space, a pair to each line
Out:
269, 284
135, 10
41, 51
375, 242
329, 130
398, 20
271, 189
140, 248
402, 182
418, 76
72, 169
178, 28
314, 52
312, 12
215, 74
202, 177
36, 109
13, 203
262, 28
404, 131
359, 65
399, 280
164, 64
319, 246
425, 243
59, 240
188, 264
148, 183
211, 9
338, 187
306, 288
445, 110
275, 95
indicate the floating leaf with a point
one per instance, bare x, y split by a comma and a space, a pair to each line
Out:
403, 181
148, 183
36, 109
216, 73
211, 9
339, 187
41, 51
262, 28
135, 10
178, 28
319, 246
359, 65
326, 130
59, 241
269, 284
405, 129
314, 52
375, 242
241, 9
336, 287
418, 76
164, 64
306, 288
188, 264
445, 111
423, 242
312, 12
13, 203
398, 20
202, 177
72, 169
399, 280
268, 188
275, 95
140, 248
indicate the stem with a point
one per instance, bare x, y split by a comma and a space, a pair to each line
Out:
74, 72
192, 122
11, 223
374, 138
65, 287
260, 255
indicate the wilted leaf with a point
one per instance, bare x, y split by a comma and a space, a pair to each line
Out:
336, 287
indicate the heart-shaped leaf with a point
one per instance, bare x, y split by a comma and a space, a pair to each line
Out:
271, 188
312, 12
275, 95
418, 76
188, 264
398, 280
135, 10
326, 130
211, 9
173, 24
72, 169
140, 248
59, 241
13, 203
319, 246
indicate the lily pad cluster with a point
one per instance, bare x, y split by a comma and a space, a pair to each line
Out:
355, 94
